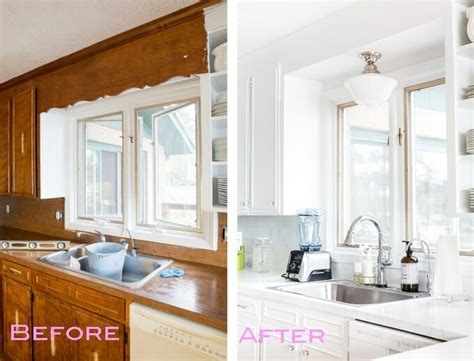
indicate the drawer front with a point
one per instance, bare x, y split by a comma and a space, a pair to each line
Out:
326, 351
336, 328
248, 307
101, 303
279, 314
16, 272
52, 285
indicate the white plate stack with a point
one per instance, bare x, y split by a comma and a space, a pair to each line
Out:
219, 149
470, 141
219, 108
471, 199
469, 93
222, 190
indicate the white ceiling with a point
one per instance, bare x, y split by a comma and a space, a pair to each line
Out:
261, 23
35, 32
407, 48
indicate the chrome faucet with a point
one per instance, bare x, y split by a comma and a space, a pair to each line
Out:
382, 262
98, 234
133, 251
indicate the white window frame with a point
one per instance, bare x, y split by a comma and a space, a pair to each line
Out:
127, 103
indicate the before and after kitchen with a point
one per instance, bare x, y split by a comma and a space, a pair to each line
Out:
249, 180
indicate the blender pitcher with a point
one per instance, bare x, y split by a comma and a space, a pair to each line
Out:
309, 226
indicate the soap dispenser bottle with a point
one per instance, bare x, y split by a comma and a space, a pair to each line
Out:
409, 270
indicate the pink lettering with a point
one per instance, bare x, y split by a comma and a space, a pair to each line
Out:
69, 331
248, 335
16, 329
110, 332
282, 332
297, 335
54, 333
38, 334
93, 331
264, 333
316, 335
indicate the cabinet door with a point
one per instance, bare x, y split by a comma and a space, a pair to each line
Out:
264, 135
326, 351
50, 312
23, 143
244, 107
273, 349
5, 145
247, 350
17, 311
99, 350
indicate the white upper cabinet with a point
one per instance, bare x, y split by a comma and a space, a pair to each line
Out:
279, 140
259, 117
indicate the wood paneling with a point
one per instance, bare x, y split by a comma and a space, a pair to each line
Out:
23, 143
147, 61
4, 145
34, 215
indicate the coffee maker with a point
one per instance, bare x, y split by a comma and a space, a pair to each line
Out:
309, 263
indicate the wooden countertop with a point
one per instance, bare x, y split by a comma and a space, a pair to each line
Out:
200, 295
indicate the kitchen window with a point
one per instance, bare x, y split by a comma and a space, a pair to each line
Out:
364, 170
100, 149
168, 166
138, 164
370, 176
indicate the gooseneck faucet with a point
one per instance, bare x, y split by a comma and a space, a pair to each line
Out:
381, 280
98, 234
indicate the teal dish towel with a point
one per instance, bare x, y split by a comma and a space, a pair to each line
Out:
172, 272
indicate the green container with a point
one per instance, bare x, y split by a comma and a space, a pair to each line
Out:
241, 258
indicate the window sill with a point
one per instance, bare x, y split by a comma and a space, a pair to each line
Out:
180, 239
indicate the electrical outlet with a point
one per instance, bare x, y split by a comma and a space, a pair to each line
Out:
59, 215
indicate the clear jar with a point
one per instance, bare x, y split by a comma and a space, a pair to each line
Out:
262, 255
358, 259
369, 267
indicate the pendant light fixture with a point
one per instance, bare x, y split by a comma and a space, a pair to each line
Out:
370, 88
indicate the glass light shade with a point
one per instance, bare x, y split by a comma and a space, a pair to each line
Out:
370, 89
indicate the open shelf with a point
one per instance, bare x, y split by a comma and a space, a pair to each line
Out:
466, 3
466, 51
467, 103
221, 163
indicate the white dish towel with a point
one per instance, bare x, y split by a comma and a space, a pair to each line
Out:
447, 278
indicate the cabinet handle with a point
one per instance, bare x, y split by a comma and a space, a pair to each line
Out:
14, 271
305, 353
290, 348
243, 307
22, 143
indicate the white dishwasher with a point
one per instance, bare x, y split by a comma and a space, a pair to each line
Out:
155, 335
368, 341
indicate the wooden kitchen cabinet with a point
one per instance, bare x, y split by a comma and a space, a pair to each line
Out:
5, 113
48, 312
95, 350
23, 143
17, 310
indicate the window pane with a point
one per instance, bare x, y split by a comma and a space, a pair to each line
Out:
367, 170
100, 167
168, 170
430, 169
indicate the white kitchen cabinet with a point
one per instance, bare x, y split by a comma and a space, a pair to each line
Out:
280, 140
259, 117
268, 314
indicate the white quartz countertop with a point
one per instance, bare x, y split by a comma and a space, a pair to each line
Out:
452, 322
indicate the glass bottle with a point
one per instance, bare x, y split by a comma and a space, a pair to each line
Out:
262, 255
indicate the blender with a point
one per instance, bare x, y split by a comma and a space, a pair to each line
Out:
309, 227
309, 263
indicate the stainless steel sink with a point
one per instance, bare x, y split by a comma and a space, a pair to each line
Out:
136, 271
348, 292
